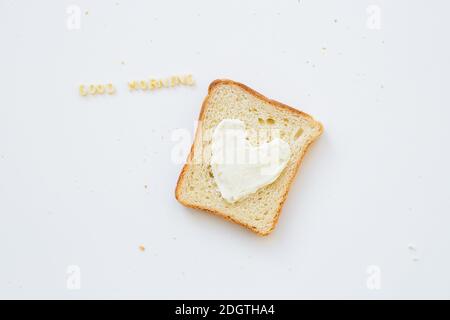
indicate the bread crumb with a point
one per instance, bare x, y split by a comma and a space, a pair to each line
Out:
142, 248
413, 251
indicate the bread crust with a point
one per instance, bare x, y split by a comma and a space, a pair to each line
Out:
275, 104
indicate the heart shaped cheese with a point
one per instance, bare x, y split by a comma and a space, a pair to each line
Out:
239, 168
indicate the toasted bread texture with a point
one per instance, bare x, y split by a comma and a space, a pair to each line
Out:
226, 99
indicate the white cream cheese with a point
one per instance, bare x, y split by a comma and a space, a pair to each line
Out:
239, 168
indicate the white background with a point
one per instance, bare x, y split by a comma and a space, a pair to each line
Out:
74, 170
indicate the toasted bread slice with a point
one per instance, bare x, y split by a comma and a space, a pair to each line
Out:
226, 99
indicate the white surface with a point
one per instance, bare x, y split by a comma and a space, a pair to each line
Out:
73, 169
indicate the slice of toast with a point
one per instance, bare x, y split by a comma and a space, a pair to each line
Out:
226, 99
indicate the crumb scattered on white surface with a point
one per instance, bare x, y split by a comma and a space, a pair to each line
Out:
412, 248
